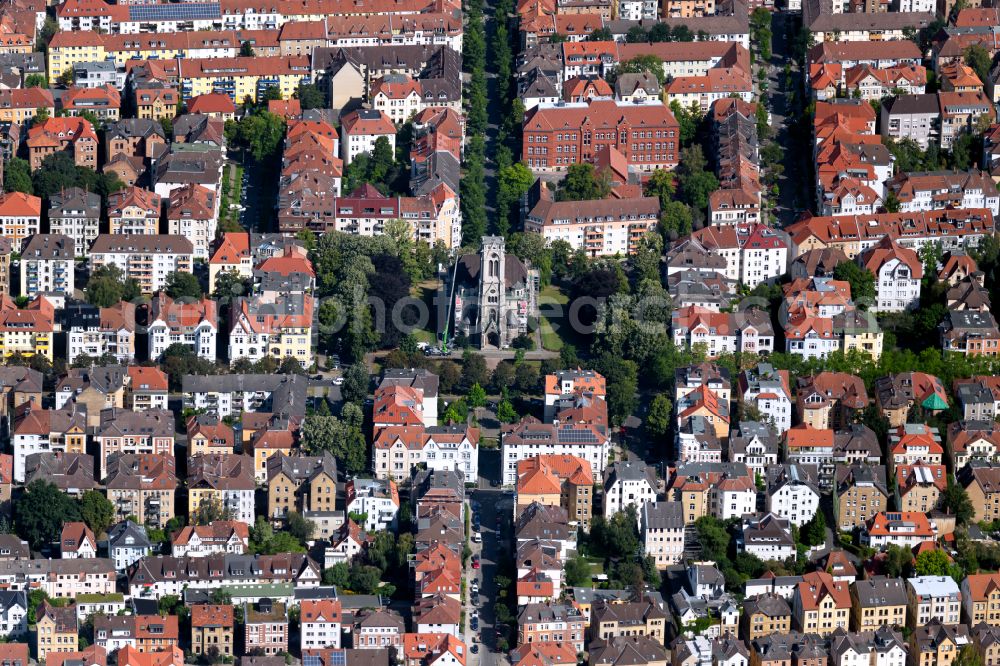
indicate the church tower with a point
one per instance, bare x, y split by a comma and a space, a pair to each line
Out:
492, 293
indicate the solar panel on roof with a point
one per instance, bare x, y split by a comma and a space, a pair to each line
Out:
338, 658
311, 660
185, 11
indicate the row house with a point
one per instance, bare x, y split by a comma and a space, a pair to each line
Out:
919, 487
212, 630
981, 599
662, 527
793, 492
311, 173
755, 444
877, 602
874, 84
914, 443
821, 605
580, 432
970, 332
206, 434
193, 212
550, 622
830, 399
155, 576
240, 252
147, 388
397, 450
737, 163
60, 578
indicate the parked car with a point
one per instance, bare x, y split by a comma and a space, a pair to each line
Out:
475, 561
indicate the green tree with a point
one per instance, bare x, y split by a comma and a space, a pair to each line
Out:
261, 133
246, 50
676, 220
600, 35
343, 440
813, 533
97, 511
688, 118
618, 536
969, 656
660, 415
476, 397
107, 286
506, 412
36, 81
382, 160
577, 571
474, 370
696, 183
636, 34
898, 560
933, 563
622, 378
583, 183
230, 284
339, 575
513, 182
862, 282
356, 381
41, 513
642, 64
17, 176
955, 501
714, 539
310, 96
211, 510
891, 202
181, 284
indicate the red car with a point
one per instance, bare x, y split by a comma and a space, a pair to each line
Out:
475, 561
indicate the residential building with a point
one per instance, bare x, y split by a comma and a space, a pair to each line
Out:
768, 537
48, 266
218, 537
628, 483
919, 487
76, 213
146, 389
897, 394
793, 492
122, 431
321, 623
376, 499
207, 434
746, 331
859, 493
587, 439
147, 259
94, 331
765, 615
830, 399
75, 136
57, 630
76, 540
938, 643
545, 622
897, 272
878, 602
194, 324
127, 544
602, 227
981, 599
768, 390
914, 443
301, 484
134, 211
821, 605
36, 430
20, 217
633, 618
212, 630
193, 212
662, 528
754, 444
227, 480
901, 528
279, 327
142, 485
933, 597
982, 484
360, 129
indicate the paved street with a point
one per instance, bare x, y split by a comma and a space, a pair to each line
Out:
492, 504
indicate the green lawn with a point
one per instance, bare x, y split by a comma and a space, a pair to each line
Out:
551, 295
425, 291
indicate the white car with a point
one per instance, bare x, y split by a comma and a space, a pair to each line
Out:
477, 537
337, 381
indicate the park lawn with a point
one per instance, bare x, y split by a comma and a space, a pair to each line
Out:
425, 291
551, 339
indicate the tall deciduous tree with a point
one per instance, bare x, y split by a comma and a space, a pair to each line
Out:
41, 513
